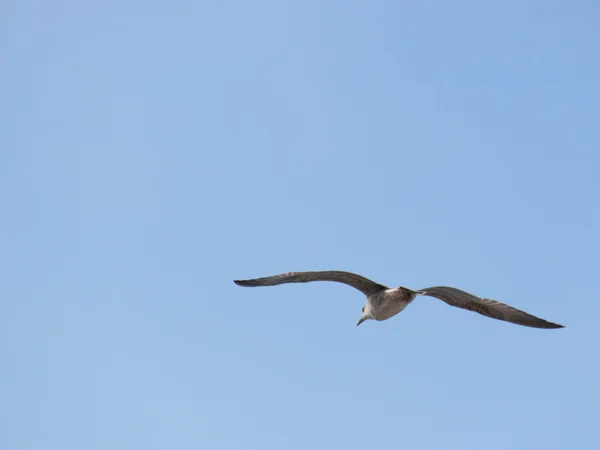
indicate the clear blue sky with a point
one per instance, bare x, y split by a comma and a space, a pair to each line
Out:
152, 152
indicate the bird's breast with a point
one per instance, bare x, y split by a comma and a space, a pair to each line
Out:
390, 302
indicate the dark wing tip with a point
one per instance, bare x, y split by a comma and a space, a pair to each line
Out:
245, 283
539, 323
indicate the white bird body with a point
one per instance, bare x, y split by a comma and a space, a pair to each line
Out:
384, 304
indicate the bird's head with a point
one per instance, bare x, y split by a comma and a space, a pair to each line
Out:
366, 314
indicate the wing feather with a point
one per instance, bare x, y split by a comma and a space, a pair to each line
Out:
361, 283
486, 307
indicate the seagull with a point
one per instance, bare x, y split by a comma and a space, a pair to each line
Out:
384, 302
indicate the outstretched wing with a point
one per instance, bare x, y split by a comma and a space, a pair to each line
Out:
487, 307
363, 284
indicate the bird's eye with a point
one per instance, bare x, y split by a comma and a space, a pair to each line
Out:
363, 310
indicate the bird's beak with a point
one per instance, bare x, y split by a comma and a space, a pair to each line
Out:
362, 319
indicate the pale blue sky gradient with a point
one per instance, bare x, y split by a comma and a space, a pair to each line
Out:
152, 152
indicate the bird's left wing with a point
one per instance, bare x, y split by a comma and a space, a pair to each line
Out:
486, 307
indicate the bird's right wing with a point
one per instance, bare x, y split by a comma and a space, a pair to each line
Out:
486, 307
363, 284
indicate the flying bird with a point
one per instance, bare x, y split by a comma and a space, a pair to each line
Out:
384, 302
